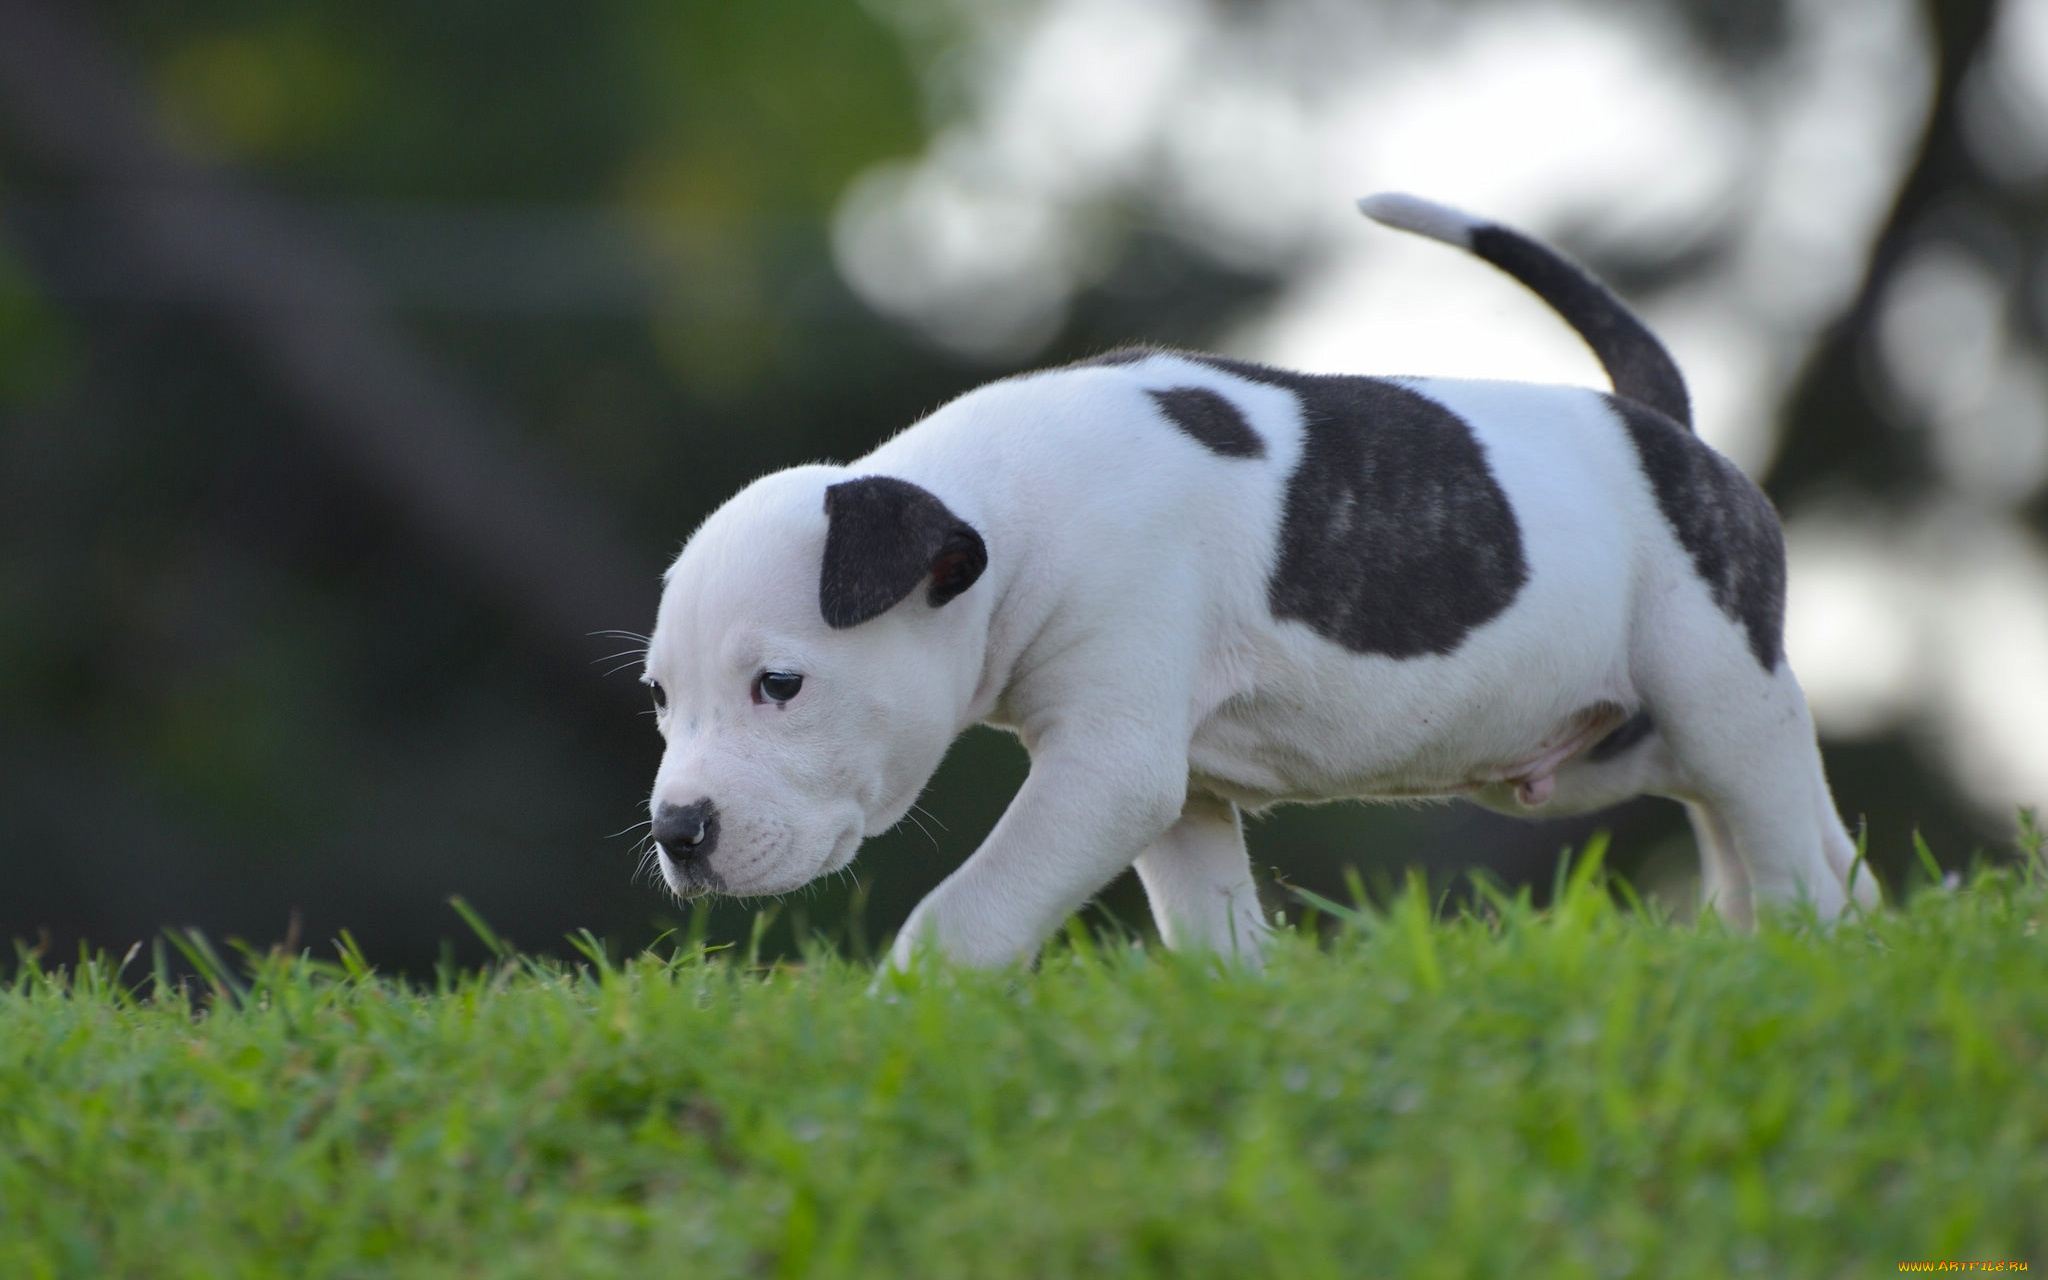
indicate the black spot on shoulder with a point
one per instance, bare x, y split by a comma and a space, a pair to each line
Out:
1627, 734
1722, 520
1397, 539
1211, 419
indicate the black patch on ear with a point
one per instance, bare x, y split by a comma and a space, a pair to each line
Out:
1210, 419
1723, 521
883, 537
1627, 734
1397, 539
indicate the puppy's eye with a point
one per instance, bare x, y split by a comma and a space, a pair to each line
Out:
777, 686
660, 695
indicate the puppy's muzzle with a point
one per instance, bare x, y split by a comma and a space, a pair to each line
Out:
686, 833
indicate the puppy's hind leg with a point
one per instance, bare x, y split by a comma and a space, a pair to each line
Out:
1645, 766
1745, 743
1198, 879
1841, 850
1724, 885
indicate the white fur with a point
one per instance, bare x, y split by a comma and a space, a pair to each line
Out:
1122, 630
1423, 217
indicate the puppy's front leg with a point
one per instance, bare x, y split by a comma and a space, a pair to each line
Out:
1198, 879
1087, 809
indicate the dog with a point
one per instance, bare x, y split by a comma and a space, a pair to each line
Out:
1194, 586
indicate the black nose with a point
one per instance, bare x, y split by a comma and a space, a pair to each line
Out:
686, 831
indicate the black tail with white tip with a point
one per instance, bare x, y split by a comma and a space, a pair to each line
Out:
1636, 363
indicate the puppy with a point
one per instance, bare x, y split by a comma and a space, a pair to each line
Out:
1195, 585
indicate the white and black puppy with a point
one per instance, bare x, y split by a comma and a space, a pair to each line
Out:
1192, 584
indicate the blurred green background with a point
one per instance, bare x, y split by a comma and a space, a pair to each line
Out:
360, 361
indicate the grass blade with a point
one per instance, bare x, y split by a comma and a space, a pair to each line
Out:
477, 925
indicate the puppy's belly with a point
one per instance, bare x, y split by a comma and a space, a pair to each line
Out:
1259, 759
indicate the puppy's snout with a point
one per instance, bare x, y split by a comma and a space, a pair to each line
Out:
686, 832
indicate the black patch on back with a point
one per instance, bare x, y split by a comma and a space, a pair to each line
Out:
1636, 363
1627, 734
1722, 520
1397, 540
883, 537
1211, 419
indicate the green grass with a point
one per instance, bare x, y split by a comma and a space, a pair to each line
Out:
1583, 1091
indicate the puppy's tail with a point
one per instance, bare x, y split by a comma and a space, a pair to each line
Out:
1636, 363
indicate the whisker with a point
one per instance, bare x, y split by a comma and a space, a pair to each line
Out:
910, 815
649, 868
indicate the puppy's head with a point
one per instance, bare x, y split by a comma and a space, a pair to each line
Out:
811, 663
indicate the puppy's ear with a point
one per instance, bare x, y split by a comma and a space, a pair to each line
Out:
883, 537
